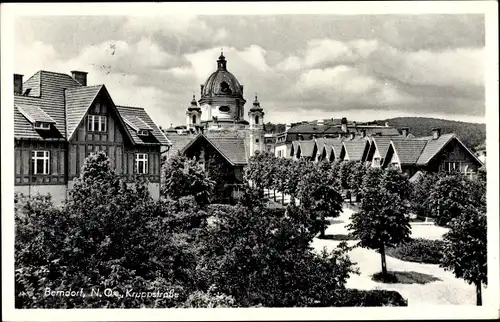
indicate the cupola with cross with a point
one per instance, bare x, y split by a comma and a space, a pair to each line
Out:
222, 96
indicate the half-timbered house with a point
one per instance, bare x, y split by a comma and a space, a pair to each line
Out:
59, 121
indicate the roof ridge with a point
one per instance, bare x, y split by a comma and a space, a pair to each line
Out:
51, 72
134, 107
82, 87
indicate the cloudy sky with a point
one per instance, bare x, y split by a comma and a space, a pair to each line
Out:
303, 67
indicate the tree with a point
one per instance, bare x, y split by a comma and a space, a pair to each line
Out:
220, 172
107, 235
465, 250
355, 178
381, 221
420, 191
261, 258
319, 195
448, 196
182, 177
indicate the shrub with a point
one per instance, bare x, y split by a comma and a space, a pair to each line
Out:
353, 297
209, 299
418, 250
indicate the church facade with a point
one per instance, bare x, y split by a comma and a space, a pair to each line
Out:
216, 133
220, 112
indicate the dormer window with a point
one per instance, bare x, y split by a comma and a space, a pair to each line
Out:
41, 126
143, 132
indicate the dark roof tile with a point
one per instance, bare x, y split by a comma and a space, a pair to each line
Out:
129, 112
408, 150
78, 101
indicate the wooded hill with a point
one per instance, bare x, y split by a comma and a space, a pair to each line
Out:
471, 134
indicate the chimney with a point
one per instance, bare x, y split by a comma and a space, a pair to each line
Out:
405, 131
80, 77
321, 122
363, 133
343, 124
386, 124
436, 133
288, 126
18, 84
351, 135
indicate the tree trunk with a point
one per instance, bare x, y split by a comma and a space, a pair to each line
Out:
274, 194
282, 198
384, 264
479, 298
322, 227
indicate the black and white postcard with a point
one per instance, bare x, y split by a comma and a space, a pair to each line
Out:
236, 161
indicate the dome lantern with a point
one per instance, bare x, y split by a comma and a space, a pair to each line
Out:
222, 62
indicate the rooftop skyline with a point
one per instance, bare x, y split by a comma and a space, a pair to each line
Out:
362, 67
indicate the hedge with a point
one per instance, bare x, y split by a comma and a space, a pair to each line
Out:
354, 297
418, 250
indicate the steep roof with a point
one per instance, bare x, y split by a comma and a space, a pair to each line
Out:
355, 149
382, 145
78, 101
306, 148
59, 99
336, 145
230, 146
47, 93
157, 136
178, 142
433, 147
408, 151
34, 113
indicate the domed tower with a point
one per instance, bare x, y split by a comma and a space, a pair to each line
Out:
193, 114
256, 130
222, 102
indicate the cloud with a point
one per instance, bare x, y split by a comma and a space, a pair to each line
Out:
299, 65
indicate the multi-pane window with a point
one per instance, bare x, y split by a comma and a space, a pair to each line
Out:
452, 166
141, 163
40, 161
96, 123
42, 126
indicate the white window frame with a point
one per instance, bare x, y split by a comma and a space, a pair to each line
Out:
143, 132
43, 155
102, 120
141, 163
42, 126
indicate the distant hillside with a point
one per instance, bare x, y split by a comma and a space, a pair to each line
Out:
471, 134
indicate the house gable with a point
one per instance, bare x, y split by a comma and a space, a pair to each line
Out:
94, 101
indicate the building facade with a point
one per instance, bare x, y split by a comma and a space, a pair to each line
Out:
59, 121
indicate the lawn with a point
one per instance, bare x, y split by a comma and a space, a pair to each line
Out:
420, 284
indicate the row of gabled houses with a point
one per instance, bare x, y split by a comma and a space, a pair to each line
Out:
404, 151
59, 120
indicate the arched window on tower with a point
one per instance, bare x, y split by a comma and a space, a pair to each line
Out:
256, 119
194, 119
